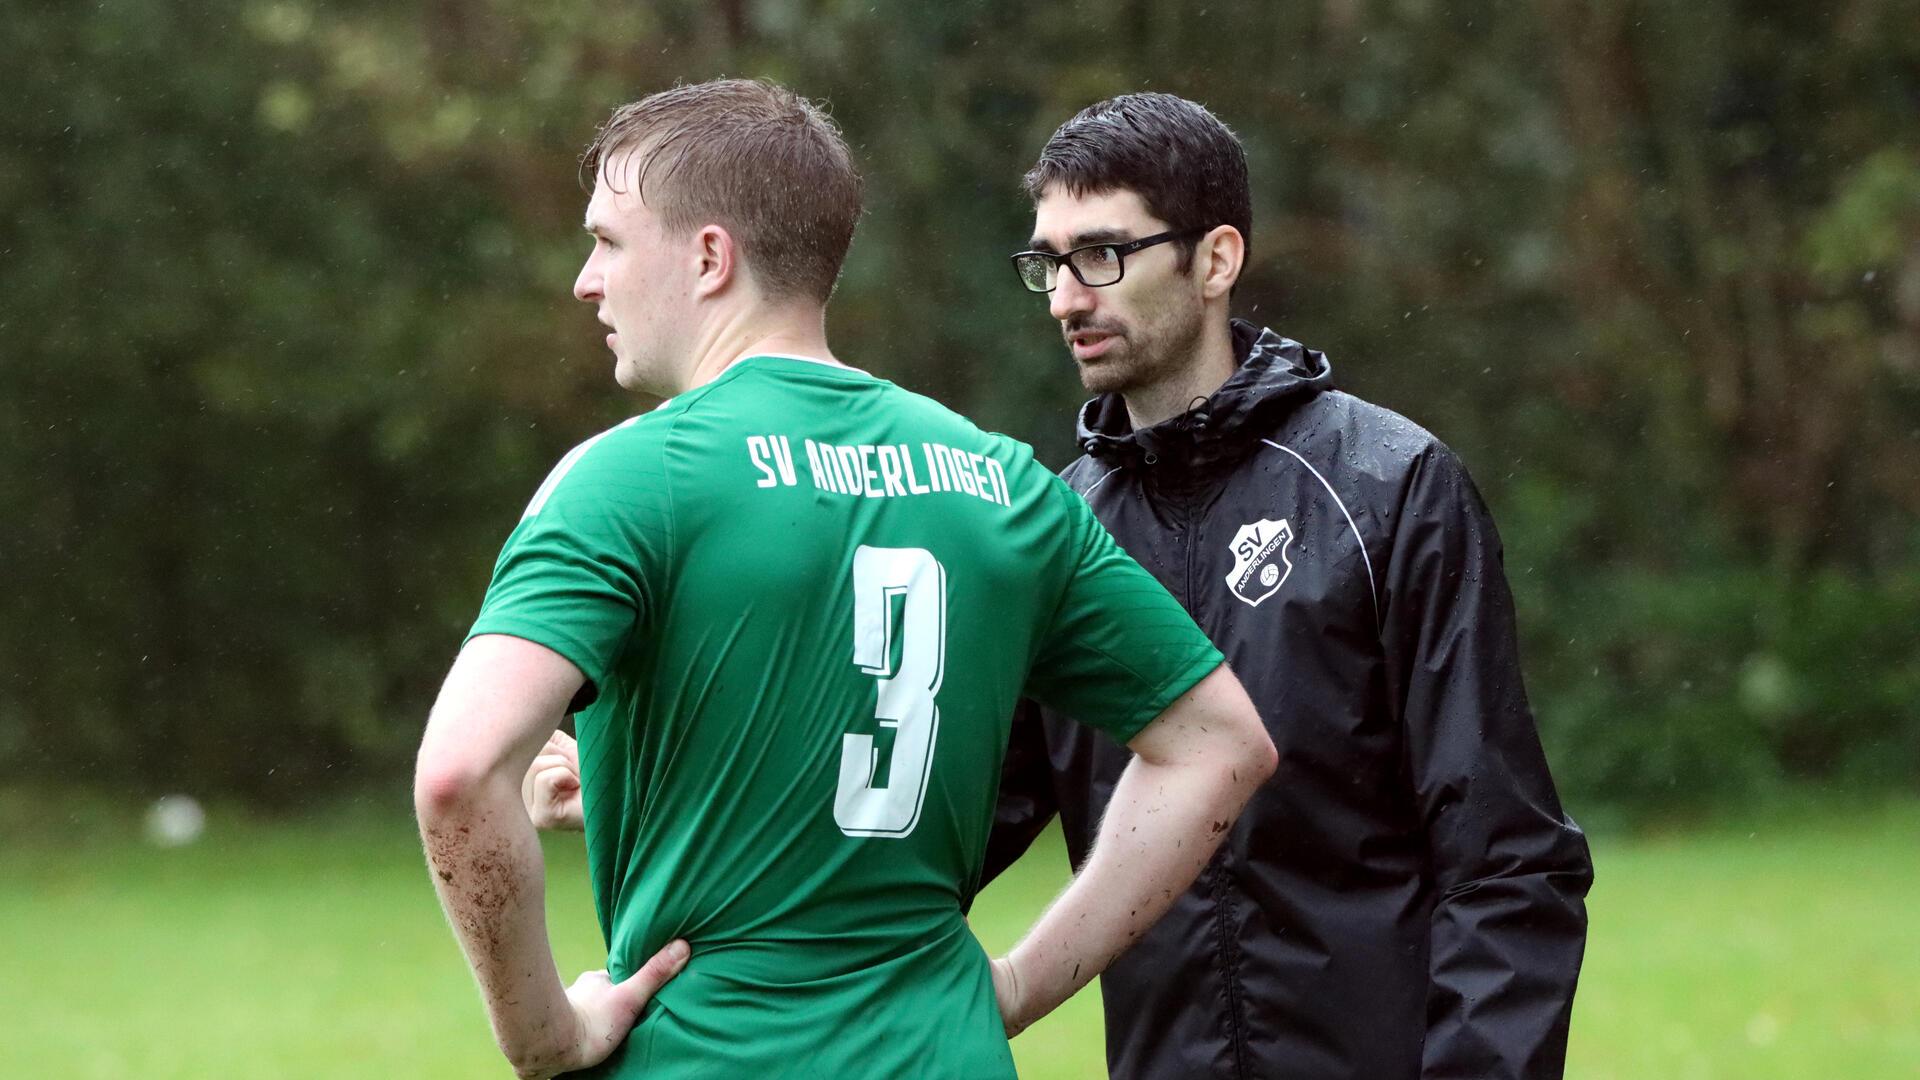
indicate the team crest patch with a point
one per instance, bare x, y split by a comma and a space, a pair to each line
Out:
1260, 563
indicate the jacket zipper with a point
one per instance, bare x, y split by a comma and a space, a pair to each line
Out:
1220, 885
1192, 547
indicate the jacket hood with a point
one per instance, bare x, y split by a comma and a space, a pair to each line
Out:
1275, 375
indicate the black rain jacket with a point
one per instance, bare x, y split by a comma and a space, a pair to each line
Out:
1405, 897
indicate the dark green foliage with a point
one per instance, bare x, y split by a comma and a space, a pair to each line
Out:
286, 340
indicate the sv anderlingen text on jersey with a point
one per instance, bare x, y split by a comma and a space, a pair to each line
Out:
880, 472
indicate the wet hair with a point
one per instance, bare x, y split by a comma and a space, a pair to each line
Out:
748, 155
1187, 166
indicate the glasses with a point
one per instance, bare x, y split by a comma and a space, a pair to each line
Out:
1093, 266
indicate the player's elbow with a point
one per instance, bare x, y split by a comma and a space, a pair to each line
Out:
1242, 745
1215, 731
1244, 761
459, 762
1260, 758
444, 782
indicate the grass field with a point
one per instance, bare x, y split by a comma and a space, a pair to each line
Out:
1788, 948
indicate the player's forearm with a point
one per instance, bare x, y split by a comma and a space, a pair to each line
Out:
487, 867
1161, 826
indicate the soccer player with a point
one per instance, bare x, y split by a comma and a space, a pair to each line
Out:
1405, 899
791, 610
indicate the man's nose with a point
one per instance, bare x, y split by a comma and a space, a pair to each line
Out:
586, 287
1069, 297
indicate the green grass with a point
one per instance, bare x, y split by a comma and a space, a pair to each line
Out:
1784, 949
1787, 948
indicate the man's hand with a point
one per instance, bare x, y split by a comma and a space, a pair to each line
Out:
1006, 990
605, 1011
551, 789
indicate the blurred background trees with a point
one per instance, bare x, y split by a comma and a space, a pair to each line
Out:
286, 339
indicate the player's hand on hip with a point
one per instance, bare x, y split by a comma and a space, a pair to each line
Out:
1006, 991
551, 788
605, 1011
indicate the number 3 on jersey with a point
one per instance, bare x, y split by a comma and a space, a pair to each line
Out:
905, 702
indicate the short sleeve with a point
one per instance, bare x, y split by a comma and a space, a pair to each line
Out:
576, 574
1119, 648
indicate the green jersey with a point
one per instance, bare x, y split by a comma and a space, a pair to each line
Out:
805, 602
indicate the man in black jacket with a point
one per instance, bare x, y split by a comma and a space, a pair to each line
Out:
1405, 897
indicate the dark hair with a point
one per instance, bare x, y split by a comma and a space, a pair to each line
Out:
1188, 166
753, 157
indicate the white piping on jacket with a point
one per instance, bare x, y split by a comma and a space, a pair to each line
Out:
1372, 589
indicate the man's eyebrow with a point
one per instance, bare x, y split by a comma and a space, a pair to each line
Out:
1100, 236
1107, 235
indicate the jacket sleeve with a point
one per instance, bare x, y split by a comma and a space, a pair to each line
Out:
1511, 870
1027, 802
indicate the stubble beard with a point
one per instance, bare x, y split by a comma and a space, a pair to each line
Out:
1108, 374
1129, 362
1143, 359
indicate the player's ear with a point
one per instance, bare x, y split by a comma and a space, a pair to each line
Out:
718, 260
1219, 257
